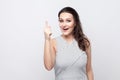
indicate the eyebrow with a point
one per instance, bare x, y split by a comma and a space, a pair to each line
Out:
66, 18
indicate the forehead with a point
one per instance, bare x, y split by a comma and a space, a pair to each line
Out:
66, 15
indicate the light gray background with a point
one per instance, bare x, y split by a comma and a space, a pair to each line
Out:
22, 38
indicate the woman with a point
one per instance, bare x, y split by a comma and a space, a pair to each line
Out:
70, 53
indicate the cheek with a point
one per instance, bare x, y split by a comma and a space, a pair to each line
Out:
71, 29
72, 25
60, 25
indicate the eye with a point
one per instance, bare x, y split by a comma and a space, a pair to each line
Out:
60, 20
68, 20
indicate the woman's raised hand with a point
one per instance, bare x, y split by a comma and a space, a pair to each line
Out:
47, 31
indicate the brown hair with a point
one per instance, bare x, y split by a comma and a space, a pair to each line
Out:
78, 34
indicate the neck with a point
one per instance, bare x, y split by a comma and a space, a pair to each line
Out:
68, 37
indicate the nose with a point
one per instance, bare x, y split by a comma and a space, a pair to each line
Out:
64, 24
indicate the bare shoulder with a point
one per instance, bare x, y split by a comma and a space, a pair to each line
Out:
88, 43
86, 38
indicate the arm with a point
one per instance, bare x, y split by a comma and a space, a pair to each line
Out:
89, 65
49, 49
49, 54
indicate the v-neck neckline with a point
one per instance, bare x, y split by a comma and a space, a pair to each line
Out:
69, 43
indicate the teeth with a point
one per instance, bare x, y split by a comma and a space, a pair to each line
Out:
65, 28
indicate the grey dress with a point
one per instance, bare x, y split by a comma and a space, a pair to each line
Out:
70, 62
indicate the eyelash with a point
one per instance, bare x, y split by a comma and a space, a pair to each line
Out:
68, 20
62, 20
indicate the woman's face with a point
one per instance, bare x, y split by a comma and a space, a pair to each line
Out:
66, 23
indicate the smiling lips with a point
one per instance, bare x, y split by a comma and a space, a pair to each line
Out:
65, 29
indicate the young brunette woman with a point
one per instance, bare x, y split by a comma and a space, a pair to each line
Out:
70, 53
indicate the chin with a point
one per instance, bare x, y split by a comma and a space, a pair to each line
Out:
65, 34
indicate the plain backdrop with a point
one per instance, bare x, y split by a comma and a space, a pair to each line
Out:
22, 38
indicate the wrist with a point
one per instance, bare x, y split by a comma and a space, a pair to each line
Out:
48, 38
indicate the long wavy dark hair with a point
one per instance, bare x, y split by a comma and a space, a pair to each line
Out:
78, 34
